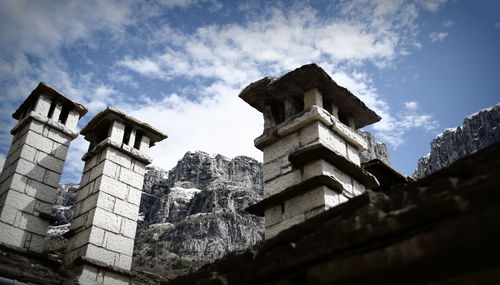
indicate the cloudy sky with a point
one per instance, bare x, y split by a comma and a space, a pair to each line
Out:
179, 65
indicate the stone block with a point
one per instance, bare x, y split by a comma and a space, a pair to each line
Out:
116, 132
88, 275
119, 243
131, 178
78, 221
48, 161
72, 120
139, 167
129, 228
281, 147
20, 201
353, 154
91, 162
123, 261
83, 192
273, 215
42, 105
131, 139
111, 278
89, 203
37, 243
134, 196
277, 228
99, 254
276, 167
109, 168
85, 179
52, 178
27, 152
34, 224
357, 188
59, 136
282, 182
313, 97
105, 201
36, 126
59, 151
126, 209
304, 202
144, 147
11, 235
8, 214
18, 182
106, 220
333, 199
30, 170
42, 207
111, 186
38, 141
57, 111
96, 171
117, 157
41, 191
317, 132
322, 167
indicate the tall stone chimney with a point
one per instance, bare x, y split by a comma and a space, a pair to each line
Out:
106, 211
32, 170
310, 145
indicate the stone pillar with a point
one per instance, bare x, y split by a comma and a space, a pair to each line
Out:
106, 211
311, 160
32, 170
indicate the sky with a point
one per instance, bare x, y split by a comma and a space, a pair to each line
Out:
179, 65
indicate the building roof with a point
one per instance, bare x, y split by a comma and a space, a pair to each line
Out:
43, 88
105, 117
386, 175
442, 229
269, 90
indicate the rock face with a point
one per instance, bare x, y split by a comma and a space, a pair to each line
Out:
376, 150
195, 212
478, 131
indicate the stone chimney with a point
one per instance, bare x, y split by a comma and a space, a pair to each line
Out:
310, 145
106, 211
28, 184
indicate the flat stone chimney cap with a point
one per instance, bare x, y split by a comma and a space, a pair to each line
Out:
269, 90
104, 119
43, 88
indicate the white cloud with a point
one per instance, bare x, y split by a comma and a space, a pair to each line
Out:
220, 123
448, 23
438, 37
412, 105
432, 5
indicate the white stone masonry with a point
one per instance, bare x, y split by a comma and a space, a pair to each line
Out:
31, 174
106, 211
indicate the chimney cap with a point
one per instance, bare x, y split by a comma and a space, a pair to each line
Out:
43, 88
108, 115
269, 90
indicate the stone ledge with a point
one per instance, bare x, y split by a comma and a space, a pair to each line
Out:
307, 154
44, 120
134, 153
303, 119
295, 190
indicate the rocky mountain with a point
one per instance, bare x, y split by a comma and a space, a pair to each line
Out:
375, 149
478, 131
194, 213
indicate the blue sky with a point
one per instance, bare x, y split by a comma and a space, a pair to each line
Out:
179, 65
